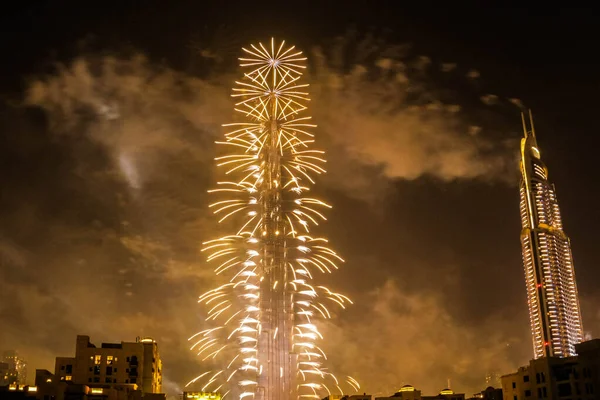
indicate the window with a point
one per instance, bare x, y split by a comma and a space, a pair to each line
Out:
564, 389
133, 380
539, 393
108, 380
514, 385
525, 378
544, 391
68, 378
62, 367
537, 377
91, 369
528, 393
515, 397
69, 369
96, 379
115, 370
97, 359
543, 378
109, 370
89, 379
97, 370
126, 380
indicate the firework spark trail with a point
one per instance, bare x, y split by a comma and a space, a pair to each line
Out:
267, 311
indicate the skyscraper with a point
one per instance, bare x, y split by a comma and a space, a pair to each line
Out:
551, 288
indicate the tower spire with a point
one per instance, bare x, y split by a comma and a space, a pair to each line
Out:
528, 130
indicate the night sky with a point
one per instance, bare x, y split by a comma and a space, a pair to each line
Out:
108, 114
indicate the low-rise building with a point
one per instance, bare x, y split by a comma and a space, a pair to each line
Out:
490, 393
408, 392
557, 378
126, 364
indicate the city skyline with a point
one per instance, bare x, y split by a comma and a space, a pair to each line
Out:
552, 297
108, 118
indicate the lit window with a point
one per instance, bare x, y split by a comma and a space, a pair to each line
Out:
68, 377
109, 360
97, 359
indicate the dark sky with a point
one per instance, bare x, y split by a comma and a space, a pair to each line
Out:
108, 114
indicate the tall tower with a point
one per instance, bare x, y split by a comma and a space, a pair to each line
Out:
266, 342
549, 274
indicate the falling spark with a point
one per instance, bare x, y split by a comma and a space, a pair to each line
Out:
269, 307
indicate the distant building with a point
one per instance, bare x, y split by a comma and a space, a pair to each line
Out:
16, 370
363, 396
19, 392
557, 378
201, 396
492, 379
48, 387
490, 393
408, 392
121, 365
4, 374
446, 394
62, 390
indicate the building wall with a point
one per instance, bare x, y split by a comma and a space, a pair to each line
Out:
570, 378
135, 364
589, 361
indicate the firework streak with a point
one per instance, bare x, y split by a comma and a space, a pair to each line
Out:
265, 340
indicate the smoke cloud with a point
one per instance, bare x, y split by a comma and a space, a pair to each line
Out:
104, 209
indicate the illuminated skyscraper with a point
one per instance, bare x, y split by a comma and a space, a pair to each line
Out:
551, 288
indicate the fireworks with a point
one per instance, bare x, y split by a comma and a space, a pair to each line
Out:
265, 340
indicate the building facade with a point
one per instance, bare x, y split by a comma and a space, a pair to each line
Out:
408, 392
490, 393
13, 369
557, 378
363, 396
549, 274
136, 364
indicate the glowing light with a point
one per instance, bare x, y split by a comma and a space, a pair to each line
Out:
268, 332
549, 274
